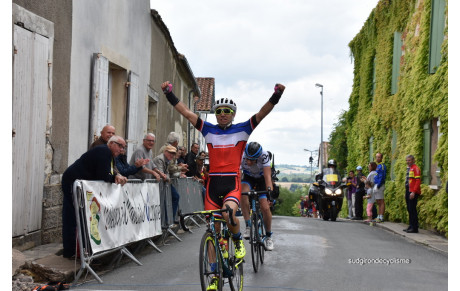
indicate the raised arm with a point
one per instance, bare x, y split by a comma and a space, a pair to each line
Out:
178, 105
268, 107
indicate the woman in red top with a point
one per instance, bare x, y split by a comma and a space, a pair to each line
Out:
412, 192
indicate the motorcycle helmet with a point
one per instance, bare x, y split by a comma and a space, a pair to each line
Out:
332, 163
253, 151
224, 102
359, 168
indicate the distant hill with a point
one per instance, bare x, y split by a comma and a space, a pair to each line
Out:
294, 169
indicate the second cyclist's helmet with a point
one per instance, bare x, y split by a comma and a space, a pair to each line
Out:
253, 151
332, 163
224, 102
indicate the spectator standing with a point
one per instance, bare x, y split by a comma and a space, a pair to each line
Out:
191, 156
352, 183
106, 133
360, 192
96, 164
162, 162
379, 186
181, 158
413, 191
126, 169
370, 199
149, 170
371, 178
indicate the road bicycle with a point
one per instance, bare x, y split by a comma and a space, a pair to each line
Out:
213, 249
257, 229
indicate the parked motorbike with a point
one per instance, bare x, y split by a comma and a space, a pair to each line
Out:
328, 192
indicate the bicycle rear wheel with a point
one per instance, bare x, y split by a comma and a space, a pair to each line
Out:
262, 235
208, 256
254, 241
236, 267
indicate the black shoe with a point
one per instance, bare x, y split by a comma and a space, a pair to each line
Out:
357, 218
412, 231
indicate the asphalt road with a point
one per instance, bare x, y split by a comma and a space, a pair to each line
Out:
310, 254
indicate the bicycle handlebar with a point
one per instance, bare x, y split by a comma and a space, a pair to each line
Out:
208, 212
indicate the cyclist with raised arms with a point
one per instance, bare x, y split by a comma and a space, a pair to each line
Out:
226, 142
257, 175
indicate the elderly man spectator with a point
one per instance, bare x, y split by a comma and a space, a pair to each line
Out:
191, 156
175, 168
379, 186
126, 169
106, 133
162, 162
96, 164
182, 152
413, 191
149, 170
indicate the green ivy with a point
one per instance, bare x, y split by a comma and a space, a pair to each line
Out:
421, 97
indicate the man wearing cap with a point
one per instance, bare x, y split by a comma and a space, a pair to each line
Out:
161, 162
360, 192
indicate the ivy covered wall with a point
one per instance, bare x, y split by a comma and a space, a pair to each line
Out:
395, 122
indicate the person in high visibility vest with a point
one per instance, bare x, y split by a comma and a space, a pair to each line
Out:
413, 181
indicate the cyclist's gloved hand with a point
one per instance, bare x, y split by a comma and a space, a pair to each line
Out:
279, 89
270, 192
167, 89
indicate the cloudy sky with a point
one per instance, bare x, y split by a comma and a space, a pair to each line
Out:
248, 46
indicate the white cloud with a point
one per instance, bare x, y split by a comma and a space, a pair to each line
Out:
248, 46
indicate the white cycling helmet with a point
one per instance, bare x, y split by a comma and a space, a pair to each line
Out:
224, 102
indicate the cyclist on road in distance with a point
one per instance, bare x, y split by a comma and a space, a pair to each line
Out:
257, 175
226, 142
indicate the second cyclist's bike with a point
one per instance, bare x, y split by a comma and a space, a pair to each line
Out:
257, 229
217, 252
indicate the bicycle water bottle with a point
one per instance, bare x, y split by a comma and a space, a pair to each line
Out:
223, 247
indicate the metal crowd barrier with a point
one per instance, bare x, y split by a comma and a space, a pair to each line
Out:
190, 192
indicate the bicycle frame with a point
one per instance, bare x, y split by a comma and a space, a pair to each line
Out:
257, 228
229, 267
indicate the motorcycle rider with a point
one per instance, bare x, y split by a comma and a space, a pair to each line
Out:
257, 175
331, 164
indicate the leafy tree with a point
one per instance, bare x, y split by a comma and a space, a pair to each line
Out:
338, 142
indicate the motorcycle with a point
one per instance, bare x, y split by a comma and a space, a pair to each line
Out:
328, 192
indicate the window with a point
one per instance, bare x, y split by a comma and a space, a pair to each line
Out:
431, 134
373, 78
152, 110
397, 53
371, 149
394, 153
436, 33
117, 99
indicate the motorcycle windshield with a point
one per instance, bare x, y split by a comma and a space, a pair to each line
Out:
331, 176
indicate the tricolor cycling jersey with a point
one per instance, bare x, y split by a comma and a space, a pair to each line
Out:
256, 170
226, 146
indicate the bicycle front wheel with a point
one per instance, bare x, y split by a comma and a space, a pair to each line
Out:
210, 266
236, 267
254, 241
262, 235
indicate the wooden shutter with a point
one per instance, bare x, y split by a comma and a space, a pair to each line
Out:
397, 45
426, 175
371, 149
436, 33
29, 116
133, 113
99, 96
394, 139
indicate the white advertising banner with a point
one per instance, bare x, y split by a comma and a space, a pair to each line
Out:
117, 215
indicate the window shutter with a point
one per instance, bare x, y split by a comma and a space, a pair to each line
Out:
436, 33
426, 175
394, 139
99, 96
397, 45
371, 149
133, 113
